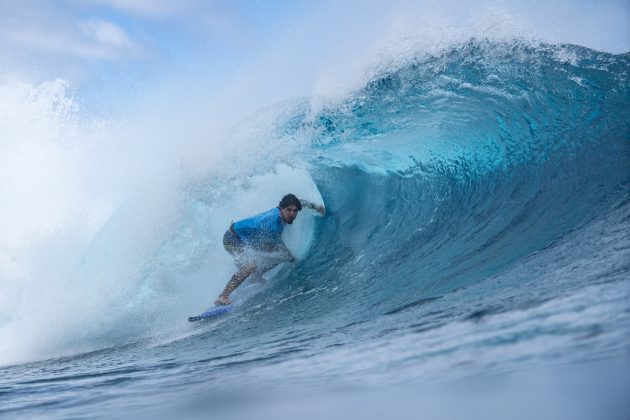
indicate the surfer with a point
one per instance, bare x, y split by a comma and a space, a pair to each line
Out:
256, 243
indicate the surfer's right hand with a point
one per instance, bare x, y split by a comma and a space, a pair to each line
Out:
321, 210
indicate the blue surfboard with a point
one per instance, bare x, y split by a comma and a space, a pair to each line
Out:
213, 312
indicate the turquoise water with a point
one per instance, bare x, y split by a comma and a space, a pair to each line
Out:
476, 246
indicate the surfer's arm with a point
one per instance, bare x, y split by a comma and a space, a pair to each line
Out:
319, 209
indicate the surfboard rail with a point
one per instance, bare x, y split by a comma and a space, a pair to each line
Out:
213, 312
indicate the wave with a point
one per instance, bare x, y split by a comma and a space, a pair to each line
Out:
456, 168
443, 173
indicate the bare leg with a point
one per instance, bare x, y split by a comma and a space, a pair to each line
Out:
257, 278
249, 269
266, 266
235, 281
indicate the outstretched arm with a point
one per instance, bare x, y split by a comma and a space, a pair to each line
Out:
319, 209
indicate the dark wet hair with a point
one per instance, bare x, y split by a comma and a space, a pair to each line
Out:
290, 200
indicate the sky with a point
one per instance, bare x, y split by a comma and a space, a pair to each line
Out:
113, 51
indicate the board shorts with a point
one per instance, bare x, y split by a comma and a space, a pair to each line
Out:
244, 254
234, 246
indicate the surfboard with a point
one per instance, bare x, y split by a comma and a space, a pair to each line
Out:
213, 312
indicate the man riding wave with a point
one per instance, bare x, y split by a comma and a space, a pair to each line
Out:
256, 243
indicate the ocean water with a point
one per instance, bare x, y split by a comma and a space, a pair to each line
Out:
474, 261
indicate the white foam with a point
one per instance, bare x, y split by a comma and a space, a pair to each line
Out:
102, 243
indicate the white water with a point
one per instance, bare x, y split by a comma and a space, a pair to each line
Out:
85, 222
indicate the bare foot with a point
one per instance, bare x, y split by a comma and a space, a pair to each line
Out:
222, 300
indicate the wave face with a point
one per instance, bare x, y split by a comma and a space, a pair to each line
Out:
458, 167
478, 204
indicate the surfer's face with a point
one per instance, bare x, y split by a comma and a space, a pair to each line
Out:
289, 213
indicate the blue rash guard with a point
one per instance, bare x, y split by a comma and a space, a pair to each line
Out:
261, 231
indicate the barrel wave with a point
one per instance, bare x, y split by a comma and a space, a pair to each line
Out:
488, 181
458, 168
477, 224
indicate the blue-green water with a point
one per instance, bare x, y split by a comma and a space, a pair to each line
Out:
477, 242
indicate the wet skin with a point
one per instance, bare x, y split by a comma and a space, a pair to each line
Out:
288, 214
